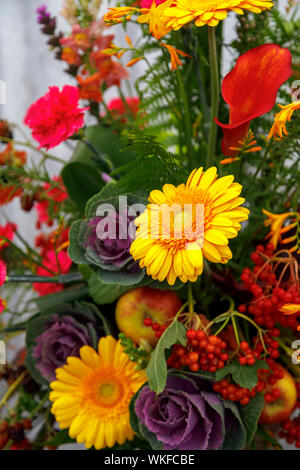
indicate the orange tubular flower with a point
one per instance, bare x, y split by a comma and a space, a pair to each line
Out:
90, 87
281, 118
174, 53
275, 222
156, 19
250, 90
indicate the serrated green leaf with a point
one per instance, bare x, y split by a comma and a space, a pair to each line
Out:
250, 415
76, 236
157, 368
245, 376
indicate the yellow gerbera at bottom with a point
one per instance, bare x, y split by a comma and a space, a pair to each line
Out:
91, 395
182, 224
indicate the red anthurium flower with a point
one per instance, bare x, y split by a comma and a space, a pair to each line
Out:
250, 90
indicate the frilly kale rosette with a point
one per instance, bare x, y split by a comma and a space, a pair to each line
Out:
103, 239
189, 415
59, 332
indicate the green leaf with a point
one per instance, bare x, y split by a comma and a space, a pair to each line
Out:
82, 182
108, 293
250, 415
76, 235
123, 278
60, 438
105, 293
107, 142
157, 367
267, 437
236, 434
66, 295
245, 376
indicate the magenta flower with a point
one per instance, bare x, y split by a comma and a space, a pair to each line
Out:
55, 116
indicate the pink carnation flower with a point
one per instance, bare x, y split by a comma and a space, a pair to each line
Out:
148, 3
3, 272
55, 116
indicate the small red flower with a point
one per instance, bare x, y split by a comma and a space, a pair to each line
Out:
250, 90
55, 116
117, 106
56, 195
59, 263
7, 231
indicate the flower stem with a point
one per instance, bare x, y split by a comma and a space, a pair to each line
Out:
12, 388
61, 279
215, 86
190, 298
105, 162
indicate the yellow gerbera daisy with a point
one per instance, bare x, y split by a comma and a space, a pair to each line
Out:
92, 393
281, 118
209, 12
183, 224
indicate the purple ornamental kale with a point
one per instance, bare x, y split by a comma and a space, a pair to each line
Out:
63, 337
108, 241
187, 415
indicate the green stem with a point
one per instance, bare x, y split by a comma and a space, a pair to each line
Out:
190, 298
46, 155
187, 120
61, 279
105, 162
215, 90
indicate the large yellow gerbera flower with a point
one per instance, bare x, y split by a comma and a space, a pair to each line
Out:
183, 224
92, 393
209, 12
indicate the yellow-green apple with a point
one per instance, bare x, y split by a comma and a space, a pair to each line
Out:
279, 410
143, 302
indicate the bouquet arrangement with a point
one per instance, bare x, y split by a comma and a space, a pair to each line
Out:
160, 300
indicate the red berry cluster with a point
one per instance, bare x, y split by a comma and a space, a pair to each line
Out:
156, 327
266, 380
262, 282
246, 355
271, 345
15, 433
203, 351
234, 392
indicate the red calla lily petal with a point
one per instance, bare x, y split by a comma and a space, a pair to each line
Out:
250, 89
